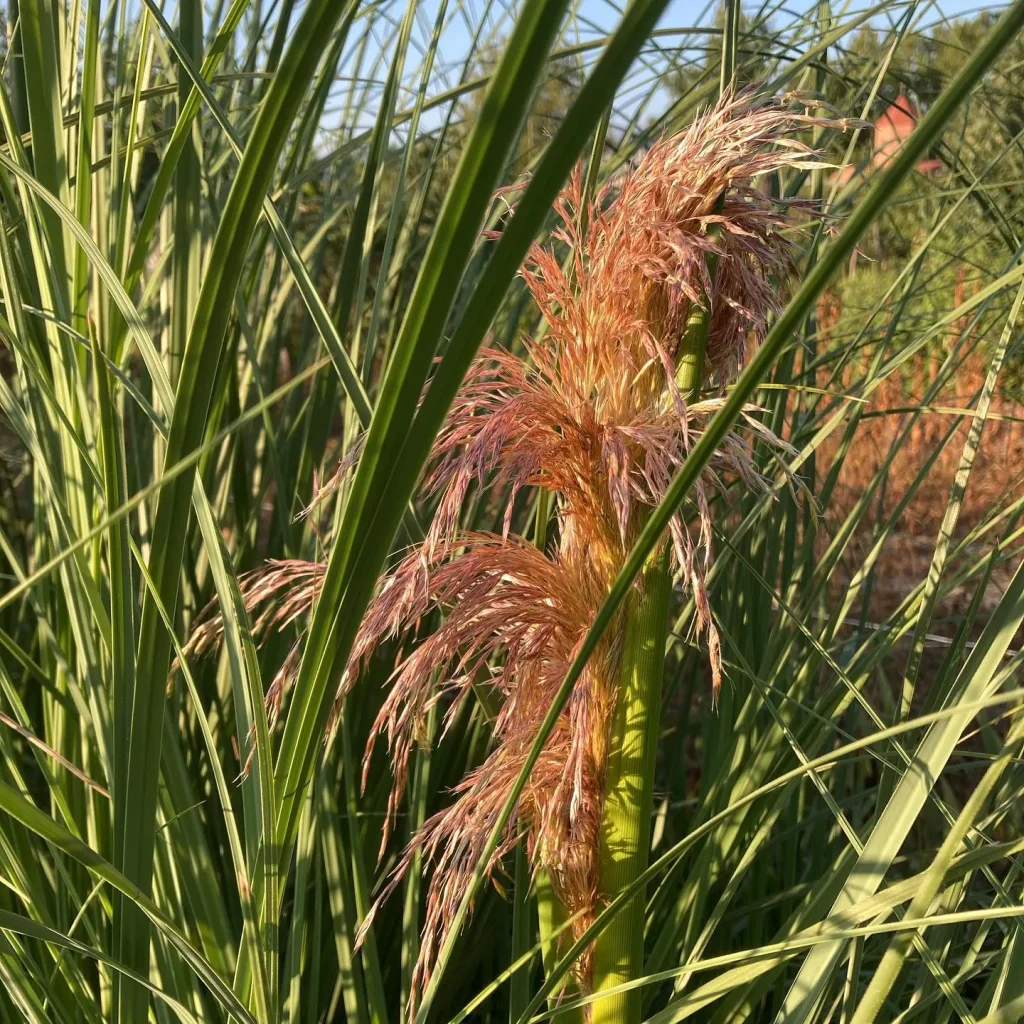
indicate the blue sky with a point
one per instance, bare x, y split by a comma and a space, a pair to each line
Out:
603, 15
595, 18
686, 12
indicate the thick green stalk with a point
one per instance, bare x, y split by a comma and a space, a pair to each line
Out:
629, 788
690, 361
690, 364
629, 779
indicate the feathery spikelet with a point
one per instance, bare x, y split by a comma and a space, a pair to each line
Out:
593, 414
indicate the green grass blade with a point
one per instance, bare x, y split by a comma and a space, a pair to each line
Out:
443, 265
17, 807
135, 817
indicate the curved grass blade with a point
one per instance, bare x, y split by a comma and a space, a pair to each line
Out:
360, 540
21, 810
19, 925
135, 816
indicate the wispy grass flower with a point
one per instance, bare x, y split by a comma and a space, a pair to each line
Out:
592, 412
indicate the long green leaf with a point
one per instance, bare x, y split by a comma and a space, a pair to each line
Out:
135, 815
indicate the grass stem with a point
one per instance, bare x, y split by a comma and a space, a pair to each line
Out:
626, 820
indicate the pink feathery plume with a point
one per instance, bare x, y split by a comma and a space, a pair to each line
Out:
592, 413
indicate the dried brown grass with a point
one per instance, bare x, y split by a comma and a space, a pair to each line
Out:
997, 476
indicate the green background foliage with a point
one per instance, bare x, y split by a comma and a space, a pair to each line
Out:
239, 242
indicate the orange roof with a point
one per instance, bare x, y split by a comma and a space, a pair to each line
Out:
901, 115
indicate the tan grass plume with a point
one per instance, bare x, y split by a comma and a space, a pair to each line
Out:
591, 412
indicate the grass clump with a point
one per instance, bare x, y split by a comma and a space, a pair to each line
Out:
451, 444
